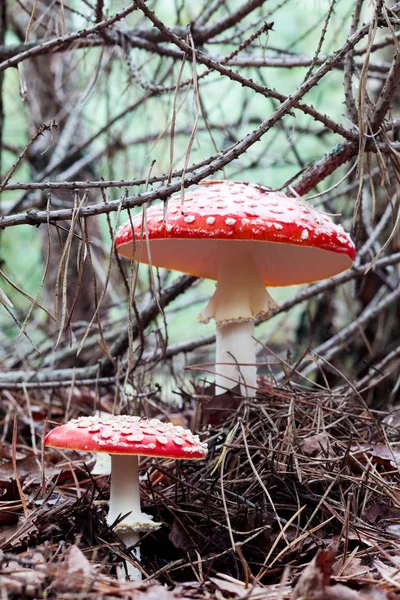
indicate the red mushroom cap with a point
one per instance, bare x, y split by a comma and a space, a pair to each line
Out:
303, 244
127, 435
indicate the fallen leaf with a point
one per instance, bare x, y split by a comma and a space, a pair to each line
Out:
380, 453
353, 568
221, 407
382, 515
316, 575
315, 444
76, 562
179, 537
314, 582
228, 584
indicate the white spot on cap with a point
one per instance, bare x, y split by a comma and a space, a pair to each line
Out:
135, 437
278, 226
304, 234
230, 221
162, 439
178, 441
168, 226
189, 219
210, 220
159, 218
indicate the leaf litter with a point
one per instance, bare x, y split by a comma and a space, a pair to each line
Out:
299, 498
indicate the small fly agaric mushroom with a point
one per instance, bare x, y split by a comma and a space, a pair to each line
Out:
246, 237
125, 438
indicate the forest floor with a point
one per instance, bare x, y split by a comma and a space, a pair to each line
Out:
299, 498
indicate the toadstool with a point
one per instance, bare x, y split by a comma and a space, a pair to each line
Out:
125, 438
245, 237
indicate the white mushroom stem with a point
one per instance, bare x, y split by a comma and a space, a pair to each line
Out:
239, 299
124, 499
235, 356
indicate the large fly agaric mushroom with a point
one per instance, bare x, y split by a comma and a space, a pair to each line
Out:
246, 237
125, 438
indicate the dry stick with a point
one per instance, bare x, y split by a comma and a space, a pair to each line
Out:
197, 112
33, 301
320, 170
62, 274
148, 314
63, 40
215, 162
375, 68
331, 347
321, 39
30, 20
233, 75
102, 295
263, 487
362, 113
39, 289
3, 29
202, 35
14, 464
99, 11
8, 380
40, 131
349, 68
386, 96
272, 93
338, 156
376, 373
207, 12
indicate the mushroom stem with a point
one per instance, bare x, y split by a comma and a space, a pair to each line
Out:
239, 299
235, 341
124, 499
125, 492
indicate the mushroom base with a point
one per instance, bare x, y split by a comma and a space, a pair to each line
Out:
125, 503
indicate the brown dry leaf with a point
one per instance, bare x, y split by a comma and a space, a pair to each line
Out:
220, 408
380, 453
315, 444
314, 582
352, 569
76, 562
316, 575
389, 571
381, 514
238, 588
179, 537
